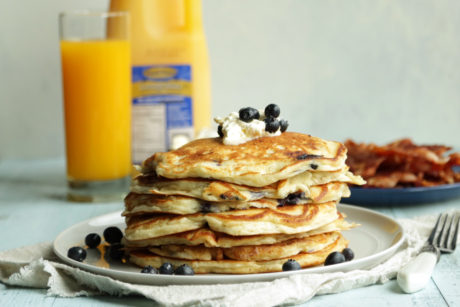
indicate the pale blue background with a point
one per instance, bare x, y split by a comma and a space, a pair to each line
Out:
373, 70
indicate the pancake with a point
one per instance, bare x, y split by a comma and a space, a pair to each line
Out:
210, 238
161, 225
256, 163
286, 219
305, 259
217, 191
136, 204
188, 252
283, 249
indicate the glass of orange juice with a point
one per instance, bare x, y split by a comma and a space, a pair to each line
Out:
96, 73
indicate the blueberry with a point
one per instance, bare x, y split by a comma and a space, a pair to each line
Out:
76, 253
272, 110
184, 269
166, 268
113, 234
220, 132
294, 198
334, 258
148, 269
348, 254
283, 125
93, 240
248, 114
291, 265
205, 208
271, 124
116, 251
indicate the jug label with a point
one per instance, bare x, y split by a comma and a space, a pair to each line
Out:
162, 108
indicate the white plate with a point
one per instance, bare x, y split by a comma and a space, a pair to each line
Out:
374, 241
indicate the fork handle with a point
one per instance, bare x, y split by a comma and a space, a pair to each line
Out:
416, 274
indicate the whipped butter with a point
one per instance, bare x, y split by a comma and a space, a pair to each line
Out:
236, 131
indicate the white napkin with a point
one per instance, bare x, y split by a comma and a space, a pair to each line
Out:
37, 266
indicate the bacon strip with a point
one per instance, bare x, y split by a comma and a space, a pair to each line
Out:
403, 163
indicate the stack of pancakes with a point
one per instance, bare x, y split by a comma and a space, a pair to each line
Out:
239, 209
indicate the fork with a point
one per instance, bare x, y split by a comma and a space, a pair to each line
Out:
416, 274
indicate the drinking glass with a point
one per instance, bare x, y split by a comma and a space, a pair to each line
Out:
96, 73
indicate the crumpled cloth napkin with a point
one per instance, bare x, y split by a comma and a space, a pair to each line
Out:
37, 266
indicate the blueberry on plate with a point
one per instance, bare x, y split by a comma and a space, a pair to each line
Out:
93, 240
248, 114
283, 125
76, 253
184, 269
148, 269
291, 265
348, 254
166, 268
271, 124
334, 258
113, 234
116, 251
272, 110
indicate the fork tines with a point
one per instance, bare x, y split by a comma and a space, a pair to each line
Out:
444, 235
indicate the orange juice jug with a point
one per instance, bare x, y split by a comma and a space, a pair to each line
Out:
170, 73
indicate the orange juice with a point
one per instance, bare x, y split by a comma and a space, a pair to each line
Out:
97, 103
170, 66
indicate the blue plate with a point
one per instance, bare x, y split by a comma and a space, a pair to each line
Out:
380, 196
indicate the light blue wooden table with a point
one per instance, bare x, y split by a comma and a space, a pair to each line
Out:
33, 209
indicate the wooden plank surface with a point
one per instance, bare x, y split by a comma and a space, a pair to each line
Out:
33, 209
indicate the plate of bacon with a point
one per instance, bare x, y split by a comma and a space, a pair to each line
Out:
403, 172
